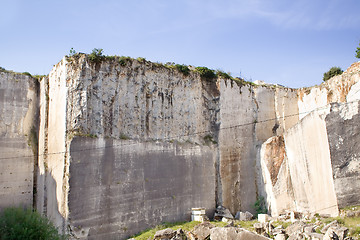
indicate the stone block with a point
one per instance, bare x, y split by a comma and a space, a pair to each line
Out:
263, 218
280, 236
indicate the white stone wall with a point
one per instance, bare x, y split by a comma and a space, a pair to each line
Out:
18, 133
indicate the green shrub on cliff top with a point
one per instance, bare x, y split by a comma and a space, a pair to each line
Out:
124, 60
205, 72
20, 224
96, 55
183, 69
357, 52
223, 75
332, 72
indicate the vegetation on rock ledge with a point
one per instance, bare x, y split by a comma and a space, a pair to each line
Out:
334, 71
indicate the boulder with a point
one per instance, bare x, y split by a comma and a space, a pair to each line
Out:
233, 233
230, 222
316, 236
277, 230
296, 227
221, 233
165, 234
331, 235
190, 236
247, 235
179, 235
296, 236
336, 232
294, 216
202, 230
309, 229
246, 216
332, 224
259, 228
280, 236
222, 212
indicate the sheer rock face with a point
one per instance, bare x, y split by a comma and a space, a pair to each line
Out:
249, 115
134, 144
139, 101
321, 167
343, 129
124, 146
18, 138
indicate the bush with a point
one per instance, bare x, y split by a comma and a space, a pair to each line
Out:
124, 60
223, 75
72, 52
96, 55
141, 59
27, 74
357, 52
260, 206
205, 72
332, 72
183, 69
17, 223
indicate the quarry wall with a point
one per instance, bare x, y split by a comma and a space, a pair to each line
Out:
126, 147
313, 167
123, 146
249, 116
18, 138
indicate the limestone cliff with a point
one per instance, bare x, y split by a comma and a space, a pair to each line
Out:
18, 138
126, 144
319, 172
133, 145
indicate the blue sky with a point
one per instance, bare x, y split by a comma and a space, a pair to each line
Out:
291, 43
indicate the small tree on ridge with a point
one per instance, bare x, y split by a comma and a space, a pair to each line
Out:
332, 72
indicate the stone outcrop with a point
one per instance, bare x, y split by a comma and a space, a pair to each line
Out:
124, 145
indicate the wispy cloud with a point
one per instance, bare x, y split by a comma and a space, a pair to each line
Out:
304, 14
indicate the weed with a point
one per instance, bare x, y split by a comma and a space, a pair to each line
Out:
90, 135
33, 140
124, 137
209, 139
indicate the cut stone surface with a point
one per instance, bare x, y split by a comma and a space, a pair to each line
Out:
165, 234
